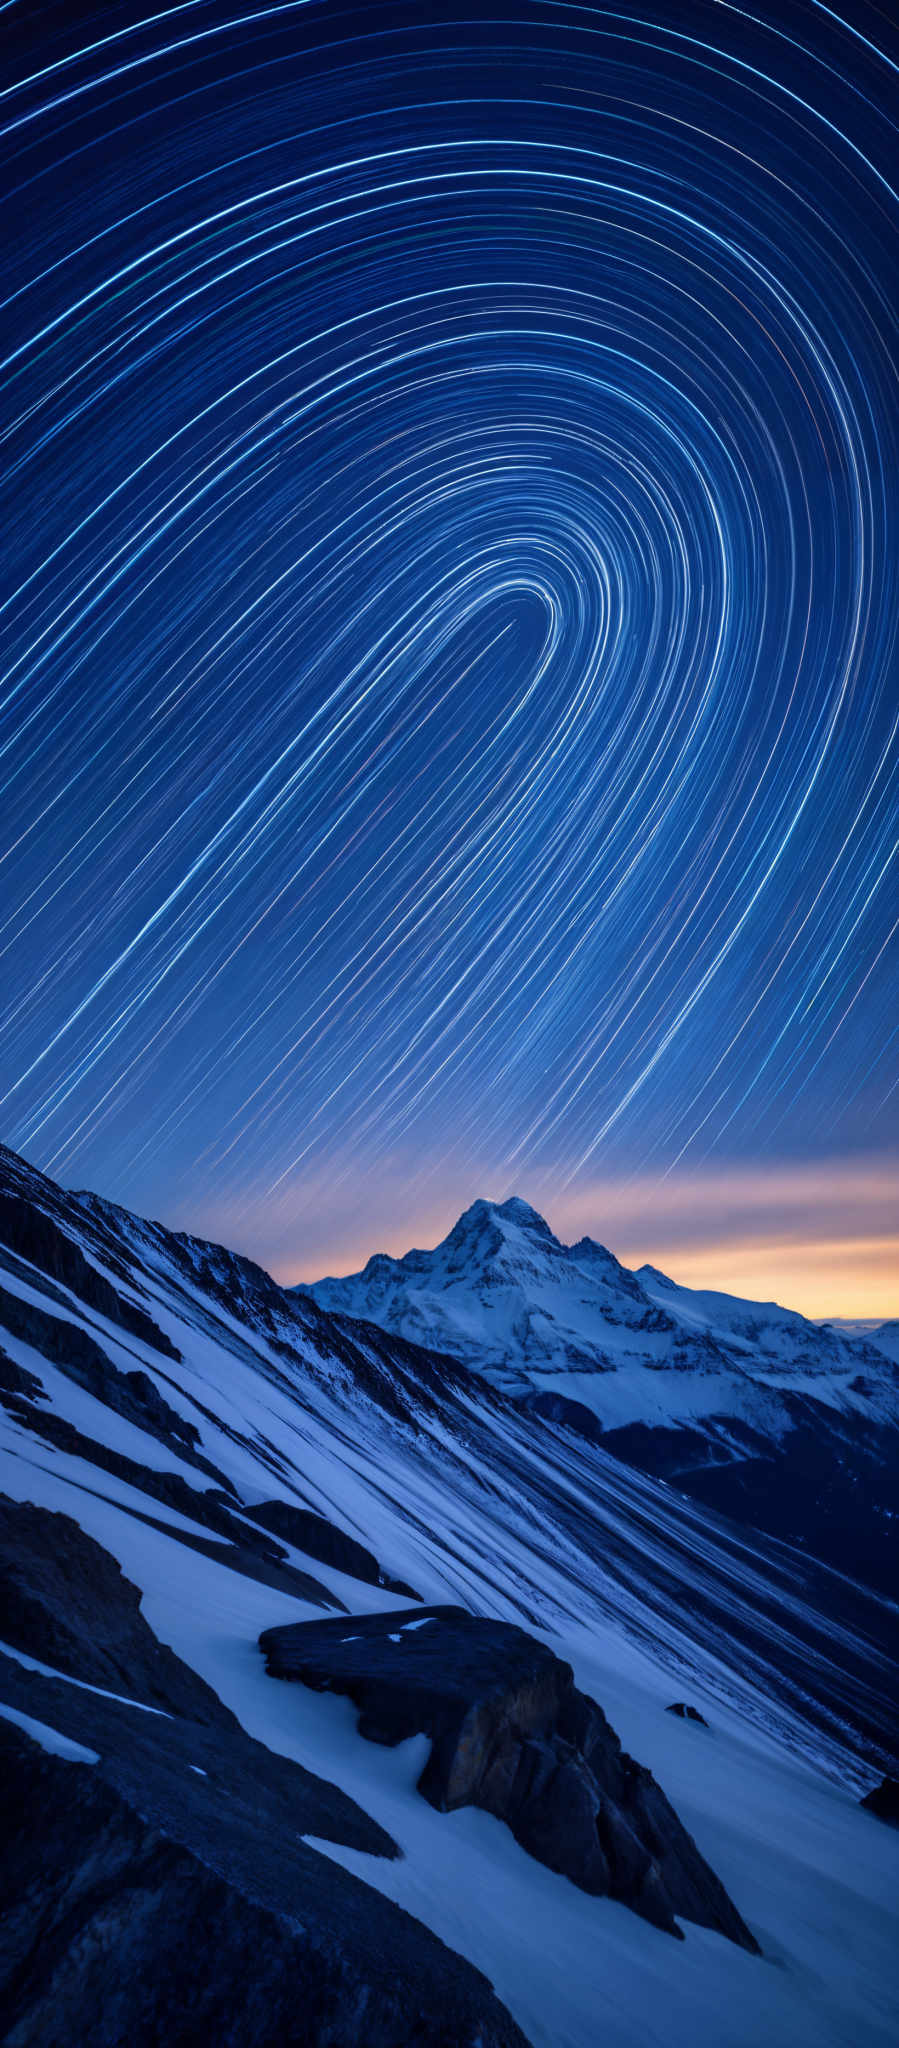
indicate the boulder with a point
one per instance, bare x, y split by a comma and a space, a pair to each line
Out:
687, 1713
68, 1603
511, 1733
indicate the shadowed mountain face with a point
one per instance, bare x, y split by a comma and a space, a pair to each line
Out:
788, 1425
193, 1459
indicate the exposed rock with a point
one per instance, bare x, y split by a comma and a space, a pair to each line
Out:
80, 1617
510, 1732
30, 1230
196, 1925
319, 1538
132, 1394
164, 1892
555, 1407
251, 1552
883, 1799
66, 1601
16, 1381
687, 1713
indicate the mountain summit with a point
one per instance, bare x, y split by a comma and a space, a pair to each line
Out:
515, 1211
503, 1294
744, 1404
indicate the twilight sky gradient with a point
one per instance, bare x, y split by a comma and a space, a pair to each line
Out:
449, 639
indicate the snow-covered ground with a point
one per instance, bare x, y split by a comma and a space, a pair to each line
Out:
814, 1875
648, 1597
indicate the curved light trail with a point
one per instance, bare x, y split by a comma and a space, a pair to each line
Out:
449, 644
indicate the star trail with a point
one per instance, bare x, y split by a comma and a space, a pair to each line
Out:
449, 638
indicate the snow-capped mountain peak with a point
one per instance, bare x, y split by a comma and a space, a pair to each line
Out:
489, 1230
514, 1211
694, 1384
503, 1294
651, 1277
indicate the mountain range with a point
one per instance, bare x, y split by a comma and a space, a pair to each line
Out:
746, 1406
357, 1688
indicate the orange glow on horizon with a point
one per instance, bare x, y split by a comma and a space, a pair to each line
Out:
822, 1238
848, 1277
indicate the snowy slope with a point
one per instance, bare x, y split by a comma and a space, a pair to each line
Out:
881, 1336
785, 1423
160, 1392
885, 1338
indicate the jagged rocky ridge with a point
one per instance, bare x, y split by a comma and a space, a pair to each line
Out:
788, 1425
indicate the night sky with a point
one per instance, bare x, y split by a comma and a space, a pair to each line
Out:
450, 681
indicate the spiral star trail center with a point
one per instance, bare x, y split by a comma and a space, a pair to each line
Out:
449, 715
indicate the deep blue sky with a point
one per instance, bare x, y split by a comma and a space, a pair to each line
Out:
450, 665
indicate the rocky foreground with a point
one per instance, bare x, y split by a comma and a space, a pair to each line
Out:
155, 1885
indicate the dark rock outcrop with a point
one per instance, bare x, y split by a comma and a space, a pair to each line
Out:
28, 1228
251, 1551
883, 1799
687, 1713
67, 1602
150, 1899
133, 1395
510, 1732
16, 1381
320, 1538
164, 1892
552, 1406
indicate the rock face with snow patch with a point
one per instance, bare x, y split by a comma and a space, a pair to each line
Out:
66, 1602
162, 1891
510, 1732
118, 1929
